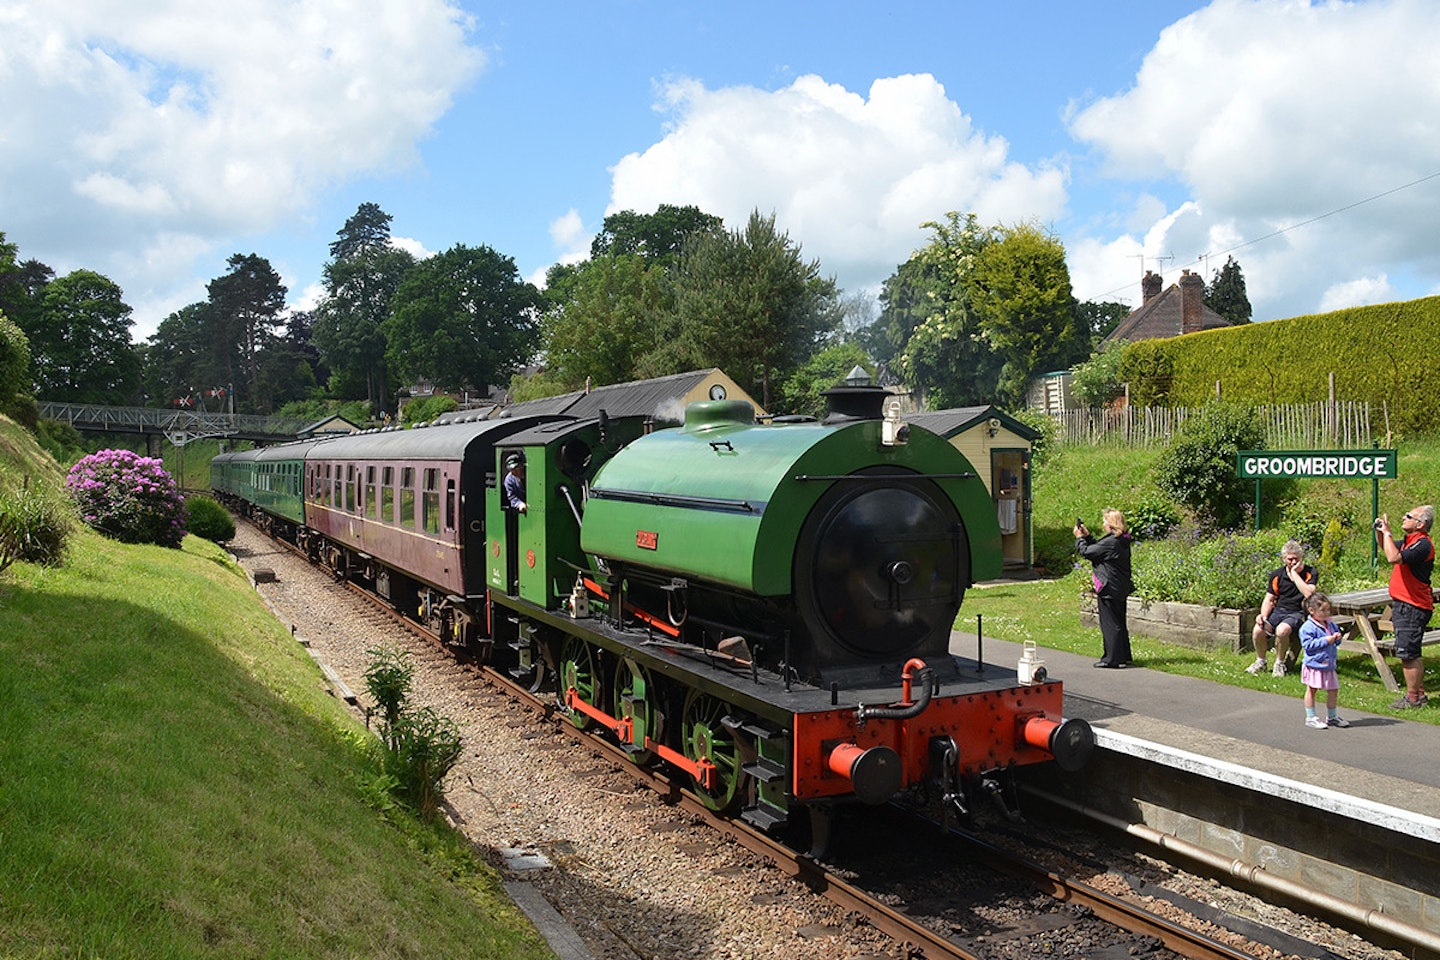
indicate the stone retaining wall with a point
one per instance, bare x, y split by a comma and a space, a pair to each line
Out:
1185, 624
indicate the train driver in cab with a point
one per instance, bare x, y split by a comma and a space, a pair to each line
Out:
514, 483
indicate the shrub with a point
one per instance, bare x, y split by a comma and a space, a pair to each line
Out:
34, 527
1198, 468
421, 747
14, 360
1152, 517
426, 748
423, 411
209, 520
128, 497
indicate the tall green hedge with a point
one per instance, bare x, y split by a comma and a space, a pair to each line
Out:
1386, 353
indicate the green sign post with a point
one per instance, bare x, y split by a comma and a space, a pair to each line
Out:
1372, 465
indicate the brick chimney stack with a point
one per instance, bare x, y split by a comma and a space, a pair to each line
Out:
1192, 300
1150, 287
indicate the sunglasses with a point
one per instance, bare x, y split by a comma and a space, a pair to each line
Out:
1411, 516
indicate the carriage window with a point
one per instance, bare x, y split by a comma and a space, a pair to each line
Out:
450, 504
430, 502
327, 486
372, 499
350, 488
407, 497
387, 496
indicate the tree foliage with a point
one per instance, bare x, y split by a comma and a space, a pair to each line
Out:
464, 319
1099, 318
80, 347
360, 280
947, 359
615, 307
748, 303
1020, 287
14, 360
1226, 294
655, 236
802, 392
245, 309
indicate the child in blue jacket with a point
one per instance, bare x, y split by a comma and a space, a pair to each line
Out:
1320, 639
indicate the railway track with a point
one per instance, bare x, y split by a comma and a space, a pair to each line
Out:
916, 919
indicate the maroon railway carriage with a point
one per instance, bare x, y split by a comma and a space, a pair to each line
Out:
404, 512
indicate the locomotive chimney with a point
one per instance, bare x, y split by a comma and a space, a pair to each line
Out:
855, 398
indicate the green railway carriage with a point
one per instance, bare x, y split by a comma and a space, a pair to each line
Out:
269, 480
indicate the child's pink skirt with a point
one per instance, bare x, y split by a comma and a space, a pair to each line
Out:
1319, 679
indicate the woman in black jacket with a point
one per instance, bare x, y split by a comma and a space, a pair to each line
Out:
1111, 557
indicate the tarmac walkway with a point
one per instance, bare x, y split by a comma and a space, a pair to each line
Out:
1385, 760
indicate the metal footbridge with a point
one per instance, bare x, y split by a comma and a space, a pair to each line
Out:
177, 426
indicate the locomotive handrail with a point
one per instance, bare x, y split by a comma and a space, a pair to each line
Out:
674, 500
803, 477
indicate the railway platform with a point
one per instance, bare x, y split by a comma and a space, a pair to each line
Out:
1352, 813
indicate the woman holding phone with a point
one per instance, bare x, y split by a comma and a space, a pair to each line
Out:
1111, 558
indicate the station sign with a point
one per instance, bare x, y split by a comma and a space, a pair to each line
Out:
1285, 464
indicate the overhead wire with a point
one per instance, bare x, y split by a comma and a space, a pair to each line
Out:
1293, 226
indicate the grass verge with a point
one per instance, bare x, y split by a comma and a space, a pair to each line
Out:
174, 782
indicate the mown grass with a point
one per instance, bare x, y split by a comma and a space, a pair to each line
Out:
174, 781
1080, 481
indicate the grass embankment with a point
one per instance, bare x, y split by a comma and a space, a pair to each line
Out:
1080, 481
174, 782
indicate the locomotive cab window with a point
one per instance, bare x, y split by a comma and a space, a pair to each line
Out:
407, 497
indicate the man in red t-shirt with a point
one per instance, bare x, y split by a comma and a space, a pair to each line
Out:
1411, 599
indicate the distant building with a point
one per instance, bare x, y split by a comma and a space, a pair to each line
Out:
333, 425
1168, 312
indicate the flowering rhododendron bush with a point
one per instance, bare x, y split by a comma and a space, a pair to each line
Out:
128, 497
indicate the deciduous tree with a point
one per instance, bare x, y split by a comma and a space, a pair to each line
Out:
463, 319
748, 303
80, 348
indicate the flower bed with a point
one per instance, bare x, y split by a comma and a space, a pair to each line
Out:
1185, 624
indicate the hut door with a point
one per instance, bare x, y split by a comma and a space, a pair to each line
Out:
1010, 487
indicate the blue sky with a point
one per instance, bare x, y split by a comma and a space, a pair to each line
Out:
151, 141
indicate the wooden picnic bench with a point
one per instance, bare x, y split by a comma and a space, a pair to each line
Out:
1364, 618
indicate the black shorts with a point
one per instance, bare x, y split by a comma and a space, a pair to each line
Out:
1410, 622
1293, 617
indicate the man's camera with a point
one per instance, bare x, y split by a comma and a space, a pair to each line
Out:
1377, 524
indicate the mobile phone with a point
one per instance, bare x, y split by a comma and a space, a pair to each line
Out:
1079, 522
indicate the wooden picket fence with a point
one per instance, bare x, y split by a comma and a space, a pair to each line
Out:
1341, 425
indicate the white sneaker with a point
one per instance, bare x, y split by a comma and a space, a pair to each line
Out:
1315, 723
1279, 670
1255, 668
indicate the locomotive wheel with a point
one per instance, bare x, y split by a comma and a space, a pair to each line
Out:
706, 737
579, 670
635, 699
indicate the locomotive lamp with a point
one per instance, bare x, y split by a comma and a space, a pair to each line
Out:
895, 432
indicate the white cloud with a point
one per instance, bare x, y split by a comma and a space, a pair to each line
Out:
1272, 113
570, 237
134, 137
849, 177
1357, 293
